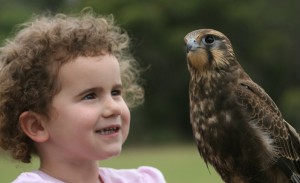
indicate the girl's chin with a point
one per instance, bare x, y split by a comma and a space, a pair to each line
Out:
110, 154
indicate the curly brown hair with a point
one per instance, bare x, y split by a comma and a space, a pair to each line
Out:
30, 61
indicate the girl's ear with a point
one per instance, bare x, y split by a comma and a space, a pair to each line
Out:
32, 125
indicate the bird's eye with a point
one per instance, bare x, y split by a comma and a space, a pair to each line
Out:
208, 40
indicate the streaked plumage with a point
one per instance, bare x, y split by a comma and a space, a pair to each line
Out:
237, 127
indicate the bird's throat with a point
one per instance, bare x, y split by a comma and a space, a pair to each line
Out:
197, 59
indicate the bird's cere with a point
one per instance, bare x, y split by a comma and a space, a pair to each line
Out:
191, 44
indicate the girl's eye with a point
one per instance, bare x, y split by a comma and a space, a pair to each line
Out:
89, 96
116, 92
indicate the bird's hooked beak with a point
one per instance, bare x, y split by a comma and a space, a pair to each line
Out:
191, 44
197, 58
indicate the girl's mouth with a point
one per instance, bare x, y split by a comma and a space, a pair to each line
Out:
108, 130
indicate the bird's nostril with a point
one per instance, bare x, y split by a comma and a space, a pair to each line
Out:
188, 48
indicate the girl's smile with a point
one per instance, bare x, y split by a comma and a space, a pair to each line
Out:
110, 130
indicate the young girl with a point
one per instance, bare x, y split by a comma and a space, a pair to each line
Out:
63, 79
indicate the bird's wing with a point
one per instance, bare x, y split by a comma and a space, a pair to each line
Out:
261, 109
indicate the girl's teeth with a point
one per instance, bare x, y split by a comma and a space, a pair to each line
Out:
107, 131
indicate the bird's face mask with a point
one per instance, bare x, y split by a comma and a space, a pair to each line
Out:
206, 51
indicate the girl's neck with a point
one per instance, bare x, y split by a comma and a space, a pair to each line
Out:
87, 172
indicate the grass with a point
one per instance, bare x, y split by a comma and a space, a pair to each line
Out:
178, 163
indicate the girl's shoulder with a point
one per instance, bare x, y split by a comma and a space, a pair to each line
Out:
35, 177
143, 174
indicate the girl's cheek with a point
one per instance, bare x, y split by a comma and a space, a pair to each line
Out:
126, 115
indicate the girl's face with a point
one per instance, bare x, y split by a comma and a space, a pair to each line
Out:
89, 119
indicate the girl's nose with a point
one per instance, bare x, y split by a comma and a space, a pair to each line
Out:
112, 107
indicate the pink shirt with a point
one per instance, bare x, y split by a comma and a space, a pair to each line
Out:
143, 174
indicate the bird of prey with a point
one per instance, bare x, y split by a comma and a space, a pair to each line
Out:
238, 128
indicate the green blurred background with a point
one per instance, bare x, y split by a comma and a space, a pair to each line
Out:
264, 35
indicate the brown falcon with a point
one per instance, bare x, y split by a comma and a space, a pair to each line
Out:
237, 127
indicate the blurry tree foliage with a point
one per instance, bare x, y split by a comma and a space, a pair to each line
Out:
264, 34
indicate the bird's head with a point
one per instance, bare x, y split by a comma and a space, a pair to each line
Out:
208, 50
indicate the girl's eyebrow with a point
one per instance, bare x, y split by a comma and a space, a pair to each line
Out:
119, 85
